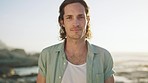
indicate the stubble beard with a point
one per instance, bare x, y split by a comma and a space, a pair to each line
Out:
77, 36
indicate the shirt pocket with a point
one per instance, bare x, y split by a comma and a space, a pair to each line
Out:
99, 78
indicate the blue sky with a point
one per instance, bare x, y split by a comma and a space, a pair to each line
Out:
117, 25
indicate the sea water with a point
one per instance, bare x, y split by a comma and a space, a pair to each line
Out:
123, 62
26, 70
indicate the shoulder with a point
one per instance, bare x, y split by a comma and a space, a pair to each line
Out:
51, 50
53, 47
103, 54
99, 49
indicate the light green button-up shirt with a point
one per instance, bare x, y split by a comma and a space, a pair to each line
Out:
52, 64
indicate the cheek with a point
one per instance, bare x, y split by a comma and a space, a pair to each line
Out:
67, 29
66, 24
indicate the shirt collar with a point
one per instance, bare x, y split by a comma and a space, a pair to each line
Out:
91, 49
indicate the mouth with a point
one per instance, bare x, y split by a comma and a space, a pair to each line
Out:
75, 29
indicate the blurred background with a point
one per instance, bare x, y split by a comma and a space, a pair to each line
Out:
28, 26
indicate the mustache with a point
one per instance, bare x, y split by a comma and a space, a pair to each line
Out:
75, 28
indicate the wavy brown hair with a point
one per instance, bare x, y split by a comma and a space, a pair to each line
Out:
61, 12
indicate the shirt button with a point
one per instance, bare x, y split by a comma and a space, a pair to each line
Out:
64, 63
59, 77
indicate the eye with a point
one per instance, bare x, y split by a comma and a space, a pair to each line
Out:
68, 17
81, 17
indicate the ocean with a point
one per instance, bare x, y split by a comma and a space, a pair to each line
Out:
128, 67
131, 67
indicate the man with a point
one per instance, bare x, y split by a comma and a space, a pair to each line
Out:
75, 60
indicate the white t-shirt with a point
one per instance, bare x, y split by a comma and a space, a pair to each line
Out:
74, 73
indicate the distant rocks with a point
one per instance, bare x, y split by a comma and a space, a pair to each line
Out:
10, 59
17, 58
6, 72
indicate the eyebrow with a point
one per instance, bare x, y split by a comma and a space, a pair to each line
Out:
67, 15
72, 15
81, 15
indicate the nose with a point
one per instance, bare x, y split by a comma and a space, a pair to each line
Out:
76, 22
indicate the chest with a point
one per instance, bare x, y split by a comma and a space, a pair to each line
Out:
74, 73
77, 60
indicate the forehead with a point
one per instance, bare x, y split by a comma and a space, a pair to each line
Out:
74, 8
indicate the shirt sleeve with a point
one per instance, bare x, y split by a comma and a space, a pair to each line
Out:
42, 63
108, 70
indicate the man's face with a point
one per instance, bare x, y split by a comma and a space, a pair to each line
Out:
75, 21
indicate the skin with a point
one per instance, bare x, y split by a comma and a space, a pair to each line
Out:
40, 79
110, 80
75, 22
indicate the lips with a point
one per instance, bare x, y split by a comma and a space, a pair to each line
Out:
75, 29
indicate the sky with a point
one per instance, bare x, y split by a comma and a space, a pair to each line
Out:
116, 25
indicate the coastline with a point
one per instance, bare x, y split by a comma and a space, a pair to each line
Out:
19, 67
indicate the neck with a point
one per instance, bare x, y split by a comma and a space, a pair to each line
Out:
74, 45
76, 51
